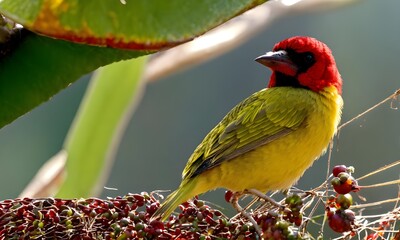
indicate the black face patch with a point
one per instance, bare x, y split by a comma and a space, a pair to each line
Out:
303, 61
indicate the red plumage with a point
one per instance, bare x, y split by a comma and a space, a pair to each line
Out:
318, 76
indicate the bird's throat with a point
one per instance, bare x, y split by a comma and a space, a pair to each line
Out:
282, 80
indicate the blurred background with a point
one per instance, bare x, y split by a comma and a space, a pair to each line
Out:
176, 112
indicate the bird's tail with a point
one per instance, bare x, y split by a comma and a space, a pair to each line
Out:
183, 193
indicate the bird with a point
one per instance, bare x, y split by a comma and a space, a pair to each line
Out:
267, 141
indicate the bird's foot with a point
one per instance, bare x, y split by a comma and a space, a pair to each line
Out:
235, 203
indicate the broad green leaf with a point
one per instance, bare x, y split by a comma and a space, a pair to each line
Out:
95, 132
138, 24
40, 67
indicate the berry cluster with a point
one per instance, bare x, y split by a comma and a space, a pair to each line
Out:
340, 217
51, 218
284, 225
276, 223
295, 203
126, 217
342, 180
200, 221
208, 223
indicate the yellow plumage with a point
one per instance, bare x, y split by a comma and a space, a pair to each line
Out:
301, 124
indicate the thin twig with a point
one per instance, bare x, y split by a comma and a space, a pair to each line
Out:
392, 96
382, 184
374, 203
235, 203
380, 170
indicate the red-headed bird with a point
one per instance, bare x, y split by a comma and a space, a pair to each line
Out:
268, 140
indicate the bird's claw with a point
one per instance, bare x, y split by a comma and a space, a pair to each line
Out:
235, 203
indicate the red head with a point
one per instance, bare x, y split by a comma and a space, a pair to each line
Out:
302, 62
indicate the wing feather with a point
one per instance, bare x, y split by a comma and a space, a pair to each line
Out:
260, 119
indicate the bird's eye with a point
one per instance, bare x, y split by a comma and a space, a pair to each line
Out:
308, 57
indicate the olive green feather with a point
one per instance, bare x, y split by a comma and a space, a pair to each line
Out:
261, 118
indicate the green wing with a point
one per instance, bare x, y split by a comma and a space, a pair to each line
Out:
263, 117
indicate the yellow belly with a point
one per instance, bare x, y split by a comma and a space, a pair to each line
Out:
279, 164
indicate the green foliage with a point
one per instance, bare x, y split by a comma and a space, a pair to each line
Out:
139, 24
40, 67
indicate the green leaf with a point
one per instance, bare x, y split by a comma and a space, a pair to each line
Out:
40, 67
138, 24
95, 132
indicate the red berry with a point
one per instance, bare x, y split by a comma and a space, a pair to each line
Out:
298, 220
338, 169
228, 196
341, 221
157, 224
152, 207
343, 187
